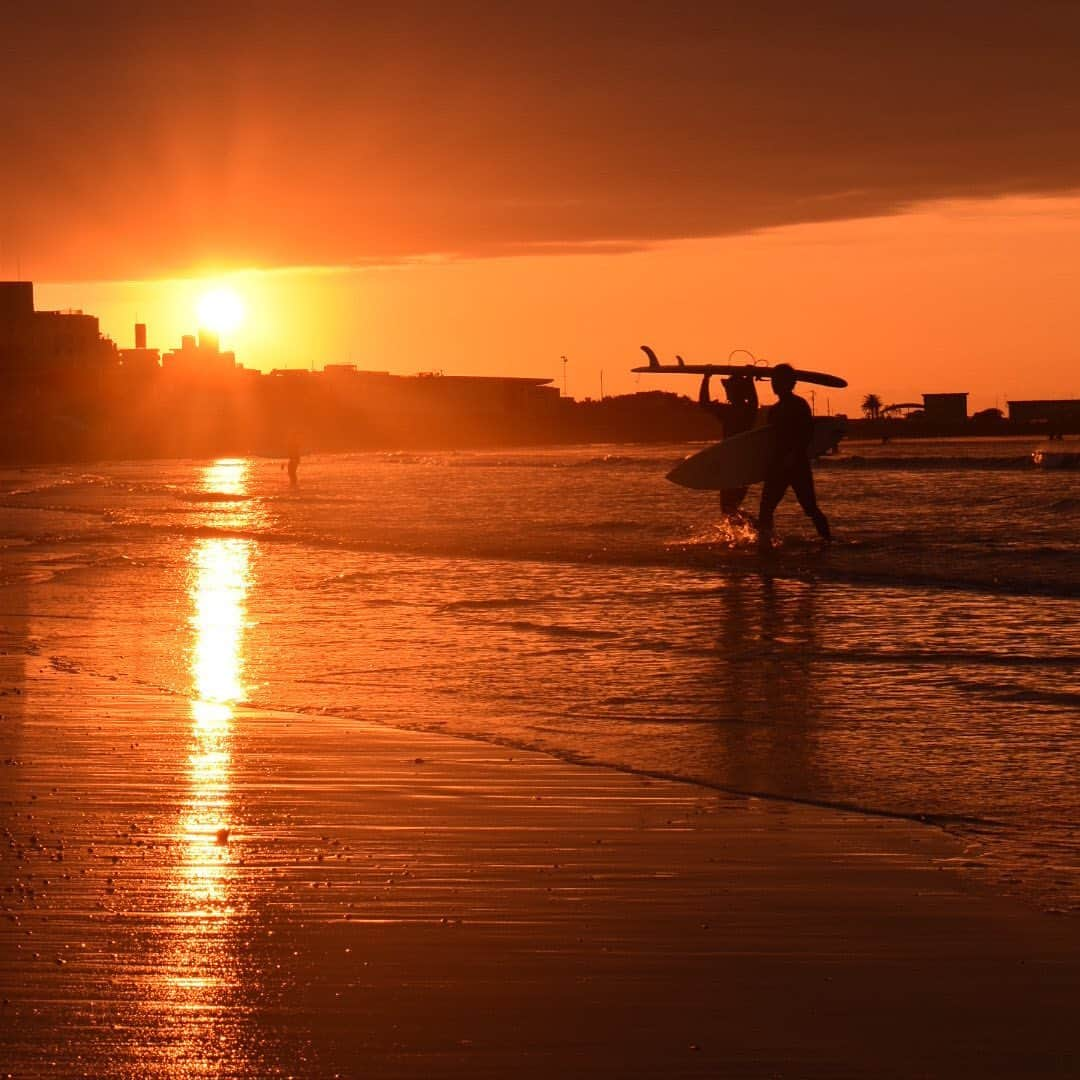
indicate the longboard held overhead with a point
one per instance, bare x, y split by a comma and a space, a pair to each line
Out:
757, 371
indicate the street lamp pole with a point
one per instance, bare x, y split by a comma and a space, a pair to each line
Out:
564, 363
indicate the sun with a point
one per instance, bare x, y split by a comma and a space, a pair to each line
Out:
221, 310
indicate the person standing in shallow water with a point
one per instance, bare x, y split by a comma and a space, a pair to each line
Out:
793, 422
736, 416
293, 452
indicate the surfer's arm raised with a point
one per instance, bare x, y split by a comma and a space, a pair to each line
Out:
717, 408
704, 398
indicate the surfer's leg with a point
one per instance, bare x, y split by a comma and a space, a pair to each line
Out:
802, 483
772, 491
731, 499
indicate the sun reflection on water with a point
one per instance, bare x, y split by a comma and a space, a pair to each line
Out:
200, 964
219, 583
225, 477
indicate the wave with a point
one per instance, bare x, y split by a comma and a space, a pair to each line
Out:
1054, 698
960, 579
536, 460
213, 497
406, 457
352, 577
614, 525
912, 562
305, 498
610, 461
926, 464
561, 631
950, 657
43, 488
494, 604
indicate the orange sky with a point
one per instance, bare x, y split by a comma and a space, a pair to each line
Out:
973, 295
878, 190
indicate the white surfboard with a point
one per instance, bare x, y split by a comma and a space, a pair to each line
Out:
743, 459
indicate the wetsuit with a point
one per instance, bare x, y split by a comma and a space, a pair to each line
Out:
793, 423
735, 417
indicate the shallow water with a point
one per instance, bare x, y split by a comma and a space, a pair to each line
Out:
572, 600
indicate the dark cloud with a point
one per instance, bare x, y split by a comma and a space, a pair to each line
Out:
136, 142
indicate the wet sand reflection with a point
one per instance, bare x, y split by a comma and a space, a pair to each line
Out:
201, 975
767, 688
218, 588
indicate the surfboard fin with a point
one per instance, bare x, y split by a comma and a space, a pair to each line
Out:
653, 362
682, 362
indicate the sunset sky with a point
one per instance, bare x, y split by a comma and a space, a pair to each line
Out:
891, 192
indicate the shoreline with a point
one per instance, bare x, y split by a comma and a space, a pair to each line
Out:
410, 904
858, 437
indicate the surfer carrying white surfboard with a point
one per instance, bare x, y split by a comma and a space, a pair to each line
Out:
793, 423
736, 415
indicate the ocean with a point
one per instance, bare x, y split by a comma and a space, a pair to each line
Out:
925, 666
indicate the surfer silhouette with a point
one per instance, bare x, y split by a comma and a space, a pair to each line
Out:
793, 423
293, 452
736, 415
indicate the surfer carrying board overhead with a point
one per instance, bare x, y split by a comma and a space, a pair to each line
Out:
793, 423
736, 416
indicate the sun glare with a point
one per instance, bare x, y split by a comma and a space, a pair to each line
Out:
221, 310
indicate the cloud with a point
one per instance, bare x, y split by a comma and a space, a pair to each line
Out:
138, 143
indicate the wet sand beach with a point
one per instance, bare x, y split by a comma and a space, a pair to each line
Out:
284, 793
400, 904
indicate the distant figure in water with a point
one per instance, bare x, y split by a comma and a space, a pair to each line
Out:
793, 423
736, 416
294, 459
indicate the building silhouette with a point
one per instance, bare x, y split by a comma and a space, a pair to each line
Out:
48, 345
69, 393
140, 361
199, 358
1062, 412
945, 408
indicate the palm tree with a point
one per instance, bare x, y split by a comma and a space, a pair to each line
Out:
871, 405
